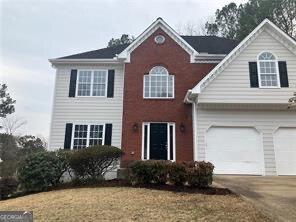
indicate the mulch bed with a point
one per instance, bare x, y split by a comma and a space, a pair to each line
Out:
212, 190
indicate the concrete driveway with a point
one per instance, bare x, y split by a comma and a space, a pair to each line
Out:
274, 195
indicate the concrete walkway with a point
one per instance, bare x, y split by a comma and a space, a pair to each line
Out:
274, 195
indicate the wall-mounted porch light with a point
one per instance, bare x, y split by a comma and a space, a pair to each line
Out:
292, 101
135, 127
182, 127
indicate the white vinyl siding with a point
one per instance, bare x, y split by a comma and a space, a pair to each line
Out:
88, 109
233, 84
265, 122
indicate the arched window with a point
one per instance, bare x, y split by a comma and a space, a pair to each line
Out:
268, 70
158, 83
158, 70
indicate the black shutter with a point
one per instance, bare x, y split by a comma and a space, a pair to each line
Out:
254, 83
72, 86
283, 74
110, 89
68, 136
108, 134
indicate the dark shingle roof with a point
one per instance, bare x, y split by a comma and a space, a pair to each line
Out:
211, 44
205, 44
105, 53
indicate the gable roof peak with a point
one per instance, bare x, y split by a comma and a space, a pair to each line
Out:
158, 23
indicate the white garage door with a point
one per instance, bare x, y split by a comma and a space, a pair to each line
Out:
235, 150
285, 151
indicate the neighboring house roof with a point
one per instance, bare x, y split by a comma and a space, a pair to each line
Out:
202, 44
267, 25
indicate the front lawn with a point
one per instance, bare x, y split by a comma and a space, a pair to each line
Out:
132, 204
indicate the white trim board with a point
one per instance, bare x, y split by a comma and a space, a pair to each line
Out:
264, 25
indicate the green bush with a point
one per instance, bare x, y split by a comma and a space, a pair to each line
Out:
177, 174
159, 171
64, 161
94, 162
8, 168
8, 185
199, 174
196, 174
38, 171
150, 171
140, 173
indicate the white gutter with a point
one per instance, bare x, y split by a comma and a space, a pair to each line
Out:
190, 97
83, 61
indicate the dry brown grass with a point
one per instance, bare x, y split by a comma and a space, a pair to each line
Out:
132, 204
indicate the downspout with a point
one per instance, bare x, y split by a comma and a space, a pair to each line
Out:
191, 98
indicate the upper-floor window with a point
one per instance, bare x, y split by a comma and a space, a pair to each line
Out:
92, 83
158, 83
268, 70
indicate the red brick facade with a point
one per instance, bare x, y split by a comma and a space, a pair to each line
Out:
136, 109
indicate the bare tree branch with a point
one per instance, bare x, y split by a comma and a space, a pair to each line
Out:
11, 124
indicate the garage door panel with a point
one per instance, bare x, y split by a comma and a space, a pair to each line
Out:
236, 168
234, 150
285, 151
233, 156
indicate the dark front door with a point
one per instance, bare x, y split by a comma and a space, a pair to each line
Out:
158, 141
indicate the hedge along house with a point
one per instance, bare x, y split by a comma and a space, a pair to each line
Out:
132, 96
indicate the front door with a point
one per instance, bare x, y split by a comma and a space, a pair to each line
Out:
158, 141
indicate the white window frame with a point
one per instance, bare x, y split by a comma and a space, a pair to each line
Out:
277, 71
168, 140
91, 82
88, 132
167, 75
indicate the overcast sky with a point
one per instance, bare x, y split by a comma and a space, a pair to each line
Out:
32, 31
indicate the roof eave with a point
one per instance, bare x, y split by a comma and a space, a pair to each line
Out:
84, 61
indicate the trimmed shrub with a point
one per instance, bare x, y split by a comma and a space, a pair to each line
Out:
8, 185
38, 171
64, 161
177, 174
94, 162
140, 173
199, 174
8, 168
195, 174
150, 171
159, 171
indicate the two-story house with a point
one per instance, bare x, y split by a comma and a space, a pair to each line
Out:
182, 98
